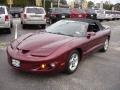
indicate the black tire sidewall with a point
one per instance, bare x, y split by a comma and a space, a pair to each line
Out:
67, 69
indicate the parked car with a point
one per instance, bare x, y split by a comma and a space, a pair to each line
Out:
77, 13
33, 15
5, 19
56, 14
100, 14
60, 47
16, 11
108, 15
91, 14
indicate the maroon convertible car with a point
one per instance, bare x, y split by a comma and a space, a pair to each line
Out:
60, 47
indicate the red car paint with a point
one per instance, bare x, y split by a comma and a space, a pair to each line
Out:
76, 13
34, 50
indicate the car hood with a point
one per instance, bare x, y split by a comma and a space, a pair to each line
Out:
43, 44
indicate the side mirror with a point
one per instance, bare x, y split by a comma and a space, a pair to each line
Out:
89, 34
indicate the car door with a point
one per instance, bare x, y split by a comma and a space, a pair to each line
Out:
88, 44
96, 40
100, 36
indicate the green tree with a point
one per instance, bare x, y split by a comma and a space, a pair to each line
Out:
107, 6
63, 1
91, 4
2, 1
23, 2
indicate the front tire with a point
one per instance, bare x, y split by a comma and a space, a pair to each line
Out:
72, 62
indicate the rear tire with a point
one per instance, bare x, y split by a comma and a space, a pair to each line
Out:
72, 62
23, 26
43, 26
106, 45
11, 25
8, 30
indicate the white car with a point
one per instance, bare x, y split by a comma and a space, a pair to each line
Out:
5, 19
33, 16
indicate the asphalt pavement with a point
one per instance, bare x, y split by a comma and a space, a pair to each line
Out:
100, 71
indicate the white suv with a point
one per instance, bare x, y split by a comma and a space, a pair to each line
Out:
33, 16
5, 19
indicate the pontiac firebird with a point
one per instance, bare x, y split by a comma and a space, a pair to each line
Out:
60, 47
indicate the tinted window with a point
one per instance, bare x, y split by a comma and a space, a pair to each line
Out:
35, 10
59, 10
93, 27
68, 27
90, 11
80, 10
108, 12
16, 9
2, 11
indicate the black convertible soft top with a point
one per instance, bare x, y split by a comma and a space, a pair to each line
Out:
83, 20
89, 21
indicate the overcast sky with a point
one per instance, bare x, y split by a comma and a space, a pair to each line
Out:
112, 1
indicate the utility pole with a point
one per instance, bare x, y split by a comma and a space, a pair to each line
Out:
44, 4
10, 2
58, 3
51, 4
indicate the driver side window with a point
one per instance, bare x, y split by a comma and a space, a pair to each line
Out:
93, 27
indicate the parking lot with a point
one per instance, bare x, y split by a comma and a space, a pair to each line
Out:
100, 71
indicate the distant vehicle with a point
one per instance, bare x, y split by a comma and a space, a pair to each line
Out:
60, 47
33, 15
77, 13
108, 15
91, 14
16, 11
5, 19
100, 14
56, 14
116, 15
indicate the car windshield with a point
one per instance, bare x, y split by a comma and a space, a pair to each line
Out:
69, 28
78, 10
35, 10
2, 11
16, 9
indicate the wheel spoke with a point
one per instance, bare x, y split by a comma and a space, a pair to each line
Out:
73, 62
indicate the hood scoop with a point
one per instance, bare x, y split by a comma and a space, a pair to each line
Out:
25, 51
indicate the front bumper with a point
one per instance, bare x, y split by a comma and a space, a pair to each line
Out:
35, 66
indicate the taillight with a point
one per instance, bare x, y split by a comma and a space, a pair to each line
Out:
6, 18
25, 16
